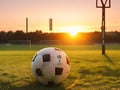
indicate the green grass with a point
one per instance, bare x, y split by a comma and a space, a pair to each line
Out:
89, 69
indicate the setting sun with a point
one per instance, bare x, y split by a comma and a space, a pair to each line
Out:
72, 30
73, 33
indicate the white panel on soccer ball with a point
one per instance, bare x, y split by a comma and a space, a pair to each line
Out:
48, 71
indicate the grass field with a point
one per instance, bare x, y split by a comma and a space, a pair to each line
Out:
90, 70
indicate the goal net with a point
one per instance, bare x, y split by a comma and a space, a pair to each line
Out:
20, 42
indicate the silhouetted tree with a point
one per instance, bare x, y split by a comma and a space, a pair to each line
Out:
9, 35
2, 37
81, 38
19, 35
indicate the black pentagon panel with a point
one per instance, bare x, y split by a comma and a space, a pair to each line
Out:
67, 60
50, 83
38, 72
46, 58
58, 71
34, 58
57, 49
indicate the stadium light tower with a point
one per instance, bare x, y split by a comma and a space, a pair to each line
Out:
27, 38
27, 28
26, 24
50, 24
103, 4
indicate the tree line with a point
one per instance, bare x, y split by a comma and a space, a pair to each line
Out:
61, 38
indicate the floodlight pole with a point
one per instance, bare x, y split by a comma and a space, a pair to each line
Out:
50, 24
26, 24
103, 6
27, 28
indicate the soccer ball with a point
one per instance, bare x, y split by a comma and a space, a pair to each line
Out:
50, 66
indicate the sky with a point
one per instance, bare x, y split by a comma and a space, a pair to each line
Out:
79, 15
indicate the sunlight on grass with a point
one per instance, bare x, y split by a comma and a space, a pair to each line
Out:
89, 69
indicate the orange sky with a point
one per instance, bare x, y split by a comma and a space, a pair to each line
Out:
80, 15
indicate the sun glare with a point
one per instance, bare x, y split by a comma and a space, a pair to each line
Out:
73, 33
72, 30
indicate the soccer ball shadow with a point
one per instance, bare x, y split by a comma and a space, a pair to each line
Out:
35, 85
